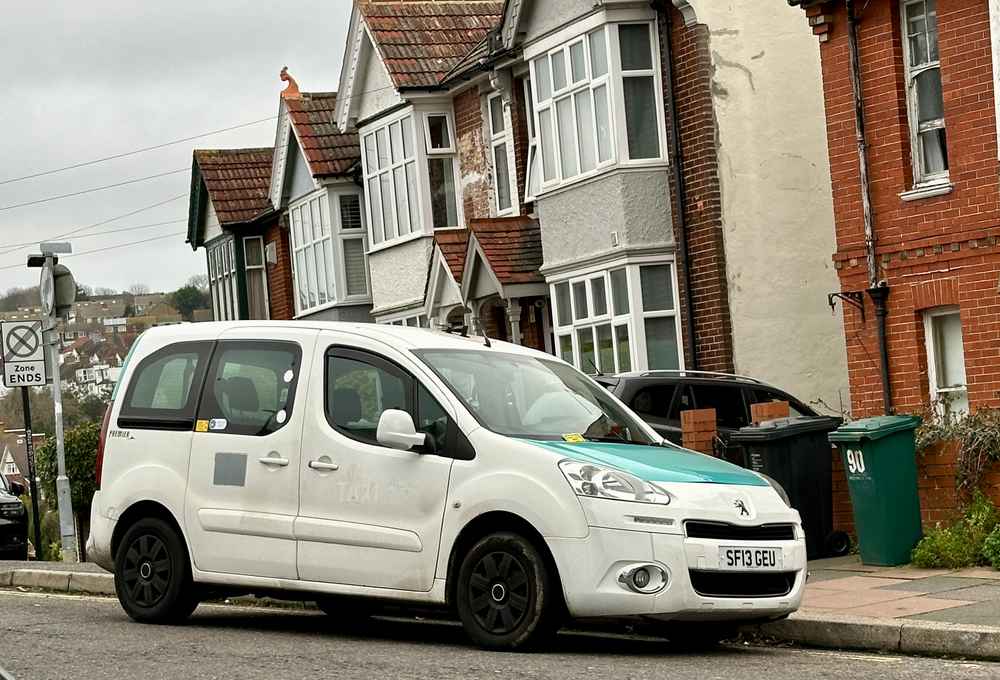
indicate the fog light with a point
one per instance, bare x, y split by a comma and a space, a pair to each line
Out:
646, 579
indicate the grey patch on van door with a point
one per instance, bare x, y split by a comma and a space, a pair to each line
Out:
230, 469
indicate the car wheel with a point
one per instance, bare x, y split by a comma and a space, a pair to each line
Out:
506, 594
694, 637
153, 575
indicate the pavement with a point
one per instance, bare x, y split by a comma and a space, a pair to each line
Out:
847, 605
45, 636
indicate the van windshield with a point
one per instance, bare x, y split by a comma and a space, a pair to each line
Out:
524, 396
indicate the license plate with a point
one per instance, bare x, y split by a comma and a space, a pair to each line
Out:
743, 558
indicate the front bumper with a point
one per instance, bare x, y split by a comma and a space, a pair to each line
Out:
589, 569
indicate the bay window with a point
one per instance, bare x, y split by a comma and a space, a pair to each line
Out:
441, 170
925, 100
619, 319
222, 280
949, 392
596, 103
329, 264
391, 181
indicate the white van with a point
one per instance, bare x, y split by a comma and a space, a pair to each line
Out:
351, 463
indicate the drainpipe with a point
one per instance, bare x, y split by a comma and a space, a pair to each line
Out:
877, 290
677, 167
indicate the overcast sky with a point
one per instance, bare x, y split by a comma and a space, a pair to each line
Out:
89, 79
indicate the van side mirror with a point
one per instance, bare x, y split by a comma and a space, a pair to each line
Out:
17, 489
397, 431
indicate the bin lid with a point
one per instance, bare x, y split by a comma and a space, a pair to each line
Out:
874, 428
781, 428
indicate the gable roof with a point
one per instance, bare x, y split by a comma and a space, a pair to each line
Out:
327, 151
237, 181
512, 247
420, 41
453, 243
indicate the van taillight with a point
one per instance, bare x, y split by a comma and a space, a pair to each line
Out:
99, 467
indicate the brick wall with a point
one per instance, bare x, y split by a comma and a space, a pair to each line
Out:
933, 251
279, 275
473, 155
692, 70
519, 120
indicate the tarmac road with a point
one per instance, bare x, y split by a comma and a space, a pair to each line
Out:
65, 636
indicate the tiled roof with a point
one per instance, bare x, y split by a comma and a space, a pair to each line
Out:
512, 246
454, 243
238, 181
421, 40
327, 151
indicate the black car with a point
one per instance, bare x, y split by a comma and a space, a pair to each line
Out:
660, 396
13, 522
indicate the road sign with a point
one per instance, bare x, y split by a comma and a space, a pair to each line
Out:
23, 353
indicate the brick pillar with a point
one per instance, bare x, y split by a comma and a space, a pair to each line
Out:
698, 430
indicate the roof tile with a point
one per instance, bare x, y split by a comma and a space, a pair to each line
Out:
238, 181
327, 151
512, 246
453, 244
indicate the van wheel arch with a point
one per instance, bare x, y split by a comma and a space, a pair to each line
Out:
486, 524
142, 510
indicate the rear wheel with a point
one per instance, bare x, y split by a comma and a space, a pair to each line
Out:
153, 574
506, 594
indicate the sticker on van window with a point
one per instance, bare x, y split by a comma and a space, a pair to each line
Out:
201, 426
280, 416
218, 424
574, 438
289, 374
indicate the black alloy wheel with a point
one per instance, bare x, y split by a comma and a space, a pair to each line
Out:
146, 571
153, 573
506, 594
499, 593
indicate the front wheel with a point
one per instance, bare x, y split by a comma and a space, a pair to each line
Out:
153, 575
506, 594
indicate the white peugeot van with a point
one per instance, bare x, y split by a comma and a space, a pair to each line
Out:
352, 463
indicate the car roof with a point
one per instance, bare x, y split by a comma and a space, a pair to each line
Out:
404, 337
688, 376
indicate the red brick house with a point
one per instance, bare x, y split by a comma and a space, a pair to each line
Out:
927, 104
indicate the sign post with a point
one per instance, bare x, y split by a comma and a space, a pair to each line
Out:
29, 448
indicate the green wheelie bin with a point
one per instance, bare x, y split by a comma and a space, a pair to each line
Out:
879, 456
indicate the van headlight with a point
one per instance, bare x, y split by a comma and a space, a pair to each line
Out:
595, 481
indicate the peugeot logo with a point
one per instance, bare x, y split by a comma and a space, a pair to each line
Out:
742, 507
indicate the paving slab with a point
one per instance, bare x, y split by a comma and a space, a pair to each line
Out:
910, 573
852, 583
978, 613
935, 584
982, 593
845, 563
841, 600
978, 572
817, 575
895, 609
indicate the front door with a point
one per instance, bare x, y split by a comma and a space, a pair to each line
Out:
243, 480
370, 515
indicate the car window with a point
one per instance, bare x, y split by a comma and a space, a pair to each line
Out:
730, 411
683, 401
761, 396
653, 403
160, 390
431, 418
359, 391
251, 388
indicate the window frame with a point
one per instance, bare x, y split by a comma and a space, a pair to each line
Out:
633, 320
531, 157
910, 73
379, 240
207, 398
167, 419
931, 348
431, 154
262, 267
502, 138
222, 284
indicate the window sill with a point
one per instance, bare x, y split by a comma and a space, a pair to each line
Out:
386, 245
331, 305
927, 191
599, 174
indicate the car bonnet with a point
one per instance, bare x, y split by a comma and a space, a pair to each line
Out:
665, 463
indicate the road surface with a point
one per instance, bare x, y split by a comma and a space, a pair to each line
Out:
66, 636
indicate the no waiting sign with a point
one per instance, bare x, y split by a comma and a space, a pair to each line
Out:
23, 353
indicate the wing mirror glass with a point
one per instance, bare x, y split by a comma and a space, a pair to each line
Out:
397, 431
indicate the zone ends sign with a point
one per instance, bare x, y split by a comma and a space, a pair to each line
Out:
23, 353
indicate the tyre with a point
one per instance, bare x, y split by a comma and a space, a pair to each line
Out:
697, 637
153, 573
506, 595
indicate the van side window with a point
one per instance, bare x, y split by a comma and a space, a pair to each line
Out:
431, 418
359, 388
251, 387
163, 390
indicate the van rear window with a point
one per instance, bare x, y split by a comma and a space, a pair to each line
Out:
162, 392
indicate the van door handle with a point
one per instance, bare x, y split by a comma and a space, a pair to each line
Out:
323, 464
276, 461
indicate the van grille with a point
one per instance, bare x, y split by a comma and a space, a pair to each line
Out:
721, 531
734, 584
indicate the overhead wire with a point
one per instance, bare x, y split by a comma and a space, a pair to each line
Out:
103, 232
93, 189
105, 248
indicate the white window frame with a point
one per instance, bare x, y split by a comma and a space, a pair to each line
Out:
414, 204
413, 319
357, 234
262, 267
931, 346
445, 152
920, 178
222, 280
613, 81
531, 161
502, 138
633, 320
